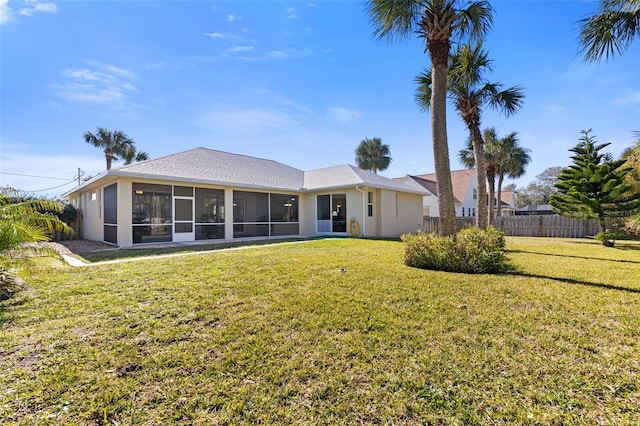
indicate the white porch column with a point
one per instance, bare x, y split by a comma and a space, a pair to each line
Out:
228, 214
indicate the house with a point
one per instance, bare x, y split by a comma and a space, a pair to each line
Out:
535, 210
465, 194
204, 194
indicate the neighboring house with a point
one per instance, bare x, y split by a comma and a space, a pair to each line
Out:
464, 193
509, 206
535, 210
203, 194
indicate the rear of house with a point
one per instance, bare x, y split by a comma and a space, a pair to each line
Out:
203, 194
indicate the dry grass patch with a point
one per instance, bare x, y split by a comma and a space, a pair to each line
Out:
327, 332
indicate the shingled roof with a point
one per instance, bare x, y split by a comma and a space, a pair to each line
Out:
460, 180
217, 167
347, 175
208, 166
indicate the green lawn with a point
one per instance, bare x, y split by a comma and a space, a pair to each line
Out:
328, 332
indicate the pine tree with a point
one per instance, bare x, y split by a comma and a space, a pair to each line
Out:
594, 185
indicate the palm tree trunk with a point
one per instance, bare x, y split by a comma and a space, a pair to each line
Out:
109, 156
481, 176
439, 53
491, 176
499, 197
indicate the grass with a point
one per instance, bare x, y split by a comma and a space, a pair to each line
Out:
328, 332
134, 252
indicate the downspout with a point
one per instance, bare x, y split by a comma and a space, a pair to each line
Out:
364, 211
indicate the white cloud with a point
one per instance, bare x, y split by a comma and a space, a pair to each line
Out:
235, 49
231, 18
102, 84
32, 7
291, 13
246, 122
629, 98
556, 109
287, 53
6, 13
29, 7
342, 115
223, 36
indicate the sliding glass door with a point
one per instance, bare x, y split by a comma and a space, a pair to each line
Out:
331, 213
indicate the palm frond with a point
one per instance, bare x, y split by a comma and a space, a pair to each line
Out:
394, 19
475, 21
610, 31
508, 101
424, 90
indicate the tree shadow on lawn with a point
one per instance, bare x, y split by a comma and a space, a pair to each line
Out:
574, 281
576, 257
623, 244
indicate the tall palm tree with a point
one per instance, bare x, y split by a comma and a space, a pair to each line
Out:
470, 92
373, 155
511, 161
115, 144
437, 22
131, 155
611, 30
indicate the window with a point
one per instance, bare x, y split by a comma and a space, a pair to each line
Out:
475, 194
261, 214
463, 212
94, 196
209, 213
284, 214
151, 213
183, 191
370, 204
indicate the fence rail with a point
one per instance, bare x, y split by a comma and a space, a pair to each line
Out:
533, 226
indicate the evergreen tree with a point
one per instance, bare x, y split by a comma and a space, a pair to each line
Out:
594, 185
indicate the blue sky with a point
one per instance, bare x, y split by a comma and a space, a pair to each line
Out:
299, 82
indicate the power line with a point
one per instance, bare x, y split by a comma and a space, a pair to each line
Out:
54, 187
33, 176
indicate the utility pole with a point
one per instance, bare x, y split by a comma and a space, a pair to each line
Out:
80, 174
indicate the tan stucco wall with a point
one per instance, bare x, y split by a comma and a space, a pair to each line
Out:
409, 213
389, 218
388, 213
92, 228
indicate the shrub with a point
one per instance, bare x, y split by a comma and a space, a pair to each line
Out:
607, 238
472, 250
10, 283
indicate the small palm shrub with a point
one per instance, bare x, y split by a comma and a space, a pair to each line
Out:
10, 283
472, 250
23, 222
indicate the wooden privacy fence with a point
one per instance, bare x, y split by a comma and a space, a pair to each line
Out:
533, 226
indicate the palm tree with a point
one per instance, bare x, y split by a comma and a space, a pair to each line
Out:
23, 221
115, 144
511, 161
438, 22
470, 91
131, 155
632, 155
373, 155
611, 30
